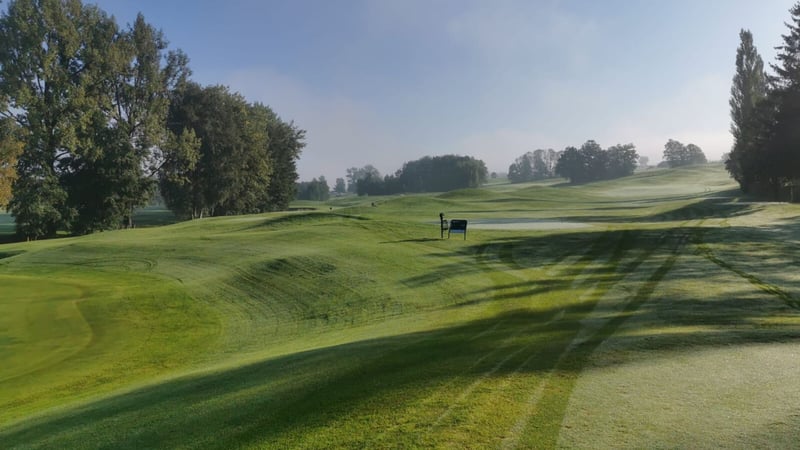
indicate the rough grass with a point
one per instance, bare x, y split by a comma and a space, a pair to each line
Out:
671, 322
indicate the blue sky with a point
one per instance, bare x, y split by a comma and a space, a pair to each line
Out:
384, 82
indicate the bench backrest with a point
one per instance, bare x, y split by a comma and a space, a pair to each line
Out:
458, 225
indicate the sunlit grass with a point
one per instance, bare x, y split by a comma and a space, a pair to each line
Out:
671, 321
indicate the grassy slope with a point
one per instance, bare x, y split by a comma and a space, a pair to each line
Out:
357, 326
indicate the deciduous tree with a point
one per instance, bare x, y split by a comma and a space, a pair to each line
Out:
10, 148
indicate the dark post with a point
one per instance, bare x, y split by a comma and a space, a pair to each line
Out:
442, 224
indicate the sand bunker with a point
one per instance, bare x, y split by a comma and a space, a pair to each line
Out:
524, 224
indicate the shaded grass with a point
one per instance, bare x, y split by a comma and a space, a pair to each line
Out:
356, 327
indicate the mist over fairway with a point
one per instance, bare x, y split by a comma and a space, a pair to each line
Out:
669, 318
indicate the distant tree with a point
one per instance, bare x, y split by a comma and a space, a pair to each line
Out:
536, 165
571, 165
442, 173
317, 190
592, 163
354, 174
676, 154
370, 184
695, 154
748, 93
340, 187
644, 161
621, 160
595, 161
427, 174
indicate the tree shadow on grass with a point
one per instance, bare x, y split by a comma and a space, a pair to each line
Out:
353, 395
278, 401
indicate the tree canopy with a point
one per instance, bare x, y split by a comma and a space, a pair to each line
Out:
10, 149
90, 99
748, 92
317, 189
231, 157
765, 112
428, 174
676, 154
536, 165
592, 163
89, 104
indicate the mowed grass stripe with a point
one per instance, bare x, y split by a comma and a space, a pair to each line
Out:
359, 328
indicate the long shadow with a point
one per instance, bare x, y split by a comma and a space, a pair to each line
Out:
419, 240
278, 401
706, 208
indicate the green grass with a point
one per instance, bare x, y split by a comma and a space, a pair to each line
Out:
671, 320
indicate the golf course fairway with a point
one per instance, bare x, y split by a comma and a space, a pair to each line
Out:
658, 310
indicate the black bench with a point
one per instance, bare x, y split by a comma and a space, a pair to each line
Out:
453, 226
457, 226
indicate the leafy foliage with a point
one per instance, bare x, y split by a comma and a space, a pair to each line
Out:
765, 111
428, 174
748, 92
91, 99
316, 189
340, 187
536, 165
676, 154
237, 158
355, 174
91, 102
592, 163
10, 149
286, 141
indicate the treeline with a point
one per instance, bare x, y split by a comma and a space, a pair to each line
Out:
317, 189
590, 162
765, 113
536, 165
429, 174
95, 118
228, 156
676, 154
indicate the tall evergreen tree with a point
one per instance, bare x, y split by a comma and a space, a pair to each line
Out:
782, 138
748, 92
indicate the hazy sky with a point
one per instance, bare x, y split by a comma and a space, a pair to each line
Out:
384, 82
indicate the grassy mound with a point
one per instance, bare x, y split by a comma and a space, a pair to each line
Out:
672, 321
